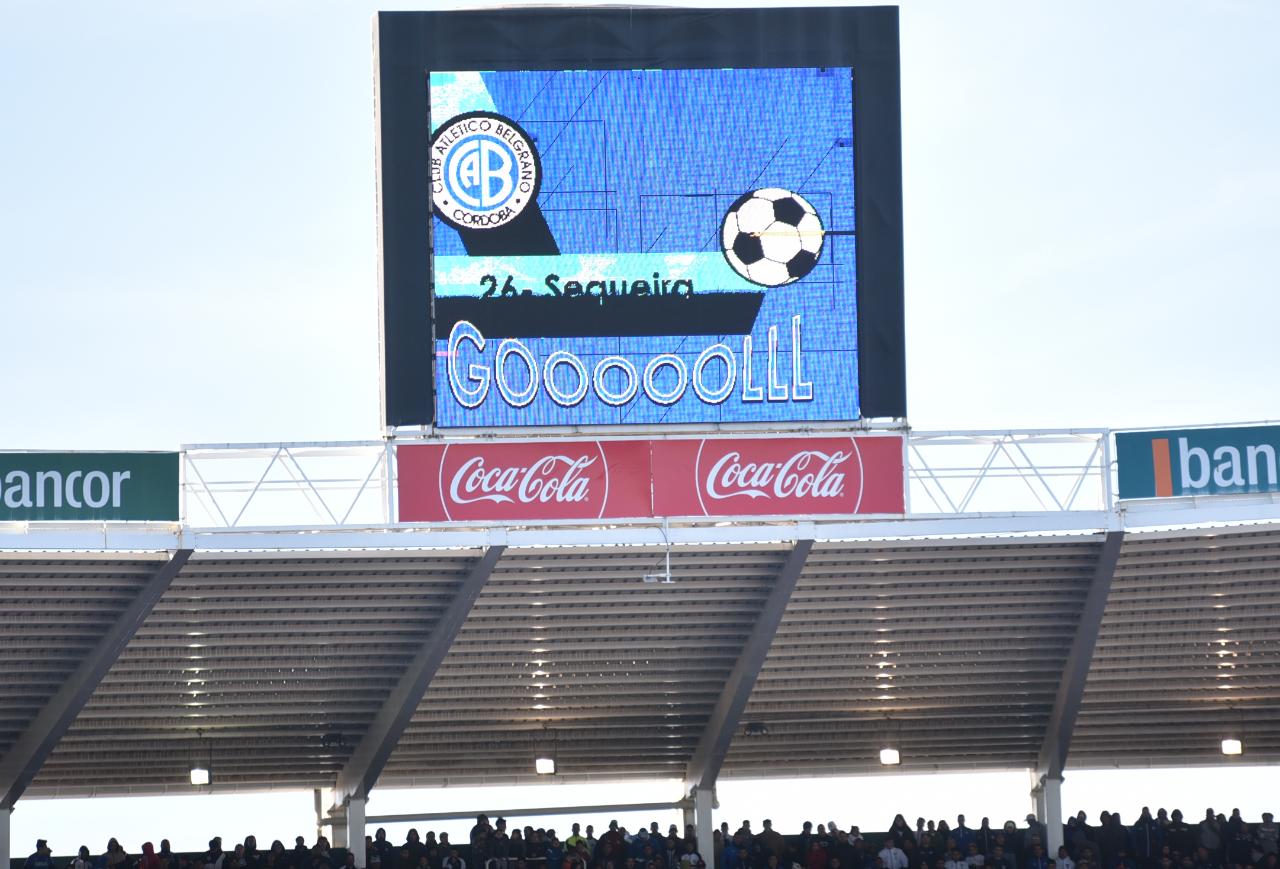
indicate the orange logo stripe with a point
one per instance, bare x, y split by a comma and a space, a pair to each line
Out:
1163, 468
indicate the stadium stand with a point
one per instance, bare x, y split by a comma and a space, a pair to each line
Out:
1163, 840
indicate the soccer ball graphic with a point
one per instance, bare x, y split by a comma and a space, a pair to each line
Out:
772, 236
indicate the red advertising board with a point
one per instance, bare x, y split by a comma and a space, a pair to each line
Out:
777, 476
523, 481
713, 477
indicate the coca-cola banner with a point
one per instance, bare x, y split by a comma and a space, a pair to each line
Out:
495, 482
777, 476
553, 480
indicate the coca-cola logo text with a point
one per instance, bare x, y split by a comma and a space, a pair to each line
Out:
555, 478
524, 483
807, 474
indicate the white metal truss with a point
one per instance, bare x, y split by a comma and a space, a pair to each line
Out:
353, 484
981, 472
288, 484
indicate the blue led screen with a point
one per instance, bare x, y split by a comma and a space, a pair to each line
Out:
643, 247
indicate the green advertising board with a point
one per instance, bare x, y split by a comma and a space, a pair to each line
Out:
1198, 461
111, 487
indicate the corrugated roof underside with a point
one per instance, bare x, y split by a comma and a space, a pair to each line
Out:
953, 652
271, 670
1189, 652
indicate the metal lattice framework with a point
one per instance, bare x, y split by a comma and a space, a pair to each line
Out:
353, 484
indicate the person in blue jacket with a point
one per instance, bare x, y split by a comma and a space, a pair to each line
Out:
42, 858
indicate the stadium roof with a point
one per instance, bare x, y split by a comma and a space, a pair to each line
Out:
309, 657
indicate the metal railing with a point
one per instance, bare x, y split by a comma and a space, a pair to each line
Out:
353, 484
962, 473
303, 484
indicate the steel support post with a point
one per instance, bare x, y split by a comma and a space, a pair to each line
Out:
713, 746
338, 831
365, 764
1066, 705
321, 822
1051, 814
30, 750
355, 830
5, 814
1037, 802
703, 800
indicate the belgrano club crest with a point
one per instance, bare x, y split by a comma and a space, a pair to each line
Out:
484, 171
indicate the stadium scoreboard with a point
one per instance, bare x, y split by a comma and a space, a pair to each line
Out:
603, 217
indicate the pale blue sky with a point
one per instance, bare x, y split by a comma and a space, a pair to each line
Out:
187, 245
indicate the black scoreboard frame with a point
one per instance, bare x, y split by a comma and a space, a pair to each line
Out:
408, 45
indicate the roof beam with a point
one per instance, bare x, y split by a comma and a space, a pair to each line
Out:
360, 772
34, 746
1066, 705
713, 746
612, 809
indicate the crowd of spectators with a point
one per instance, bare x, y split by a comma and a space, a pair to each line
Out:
1160, 841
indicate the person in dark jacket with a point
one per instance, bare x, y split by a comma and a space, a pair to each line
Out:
1148, 837
214, 857
771, 840
900, 830
1037, 860
913, 854
1180, 836
985, 837
929, 851
384, 849
1239, 841
1112, 839
42, 858
1035, 830
1204, 859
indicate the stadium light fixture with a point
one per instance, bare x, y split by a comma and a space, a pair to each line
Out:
889, 755
1232, 742
544, 758
202, 762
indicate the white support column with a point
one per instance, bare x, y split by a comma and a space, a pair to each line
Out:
4, 837
703, 800
321, 823
1037, 802
355, 830
338, 826
1051, 816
